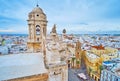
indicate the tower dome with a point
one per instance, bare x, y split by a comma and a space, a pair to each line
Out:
37, 14
37, 9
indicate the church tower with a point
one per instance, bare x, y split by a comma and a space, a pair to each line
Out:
37, 24
78, 54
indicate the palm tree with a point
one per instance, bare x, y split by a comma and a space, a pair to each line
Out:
90, 70
78, 63
101, 68
73, 59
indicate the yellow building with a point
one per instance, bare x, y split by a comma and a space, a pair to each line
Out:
95, 57
92, 62
106, 54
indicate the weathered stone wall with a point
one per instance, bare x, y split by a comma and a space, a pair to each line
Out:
40, 77
60, 73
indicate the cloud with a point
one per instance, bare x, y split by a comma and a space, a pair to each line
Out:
92, 15
21, 29
7, 30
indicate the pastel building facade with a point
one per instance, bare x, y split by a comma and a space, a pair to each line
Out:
95, 57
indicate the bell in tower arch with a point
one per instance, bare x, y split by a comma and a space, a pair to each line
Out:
37, 30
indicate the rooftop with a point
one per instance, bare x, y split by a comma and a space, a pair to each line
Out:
99, 47
21, 65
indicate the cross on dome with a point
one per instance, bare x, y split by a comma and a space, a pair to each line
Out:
37, 4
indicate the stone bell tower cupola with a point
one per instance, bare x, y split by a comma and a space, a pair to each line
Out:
37, 24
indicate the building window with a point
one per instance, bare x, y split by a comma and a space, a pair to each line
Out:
37, 30
37, 39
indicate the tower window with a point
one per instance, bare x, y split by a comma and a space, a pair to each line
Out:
37, 15
37, 30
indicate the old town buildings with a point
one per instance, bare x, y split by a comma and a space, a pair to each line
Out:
45, 59
50, 57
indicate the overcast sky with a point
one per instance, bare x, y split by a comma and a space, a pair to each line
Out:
73, 15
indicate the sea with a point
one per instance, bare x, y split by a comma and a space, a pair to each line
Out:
67, 34
14, 34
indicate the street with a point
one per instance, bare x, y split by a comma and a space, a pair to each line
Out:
72, 73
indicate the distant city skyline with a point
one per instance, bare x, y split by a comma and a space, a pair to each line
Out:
75, 16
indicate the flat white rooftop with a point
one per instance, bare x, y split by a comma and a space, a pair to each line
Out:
21, 65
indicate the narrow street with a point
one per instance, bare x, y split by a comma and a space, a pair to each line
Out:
72, 73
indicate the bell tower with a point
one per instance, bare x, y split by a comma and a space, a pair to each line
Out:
37, 26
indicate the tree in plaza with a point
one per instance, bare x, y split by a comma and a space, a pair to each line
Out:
101, 68
73, 59
90, 70
78, 63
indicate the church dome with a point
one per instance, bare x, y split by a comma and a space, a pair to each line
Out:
37, 9
37, 14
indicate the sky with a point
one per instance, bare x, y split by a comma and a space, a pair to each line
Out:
75, 16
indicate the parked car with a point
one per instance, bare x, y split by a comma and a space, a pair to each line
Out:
82, 76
